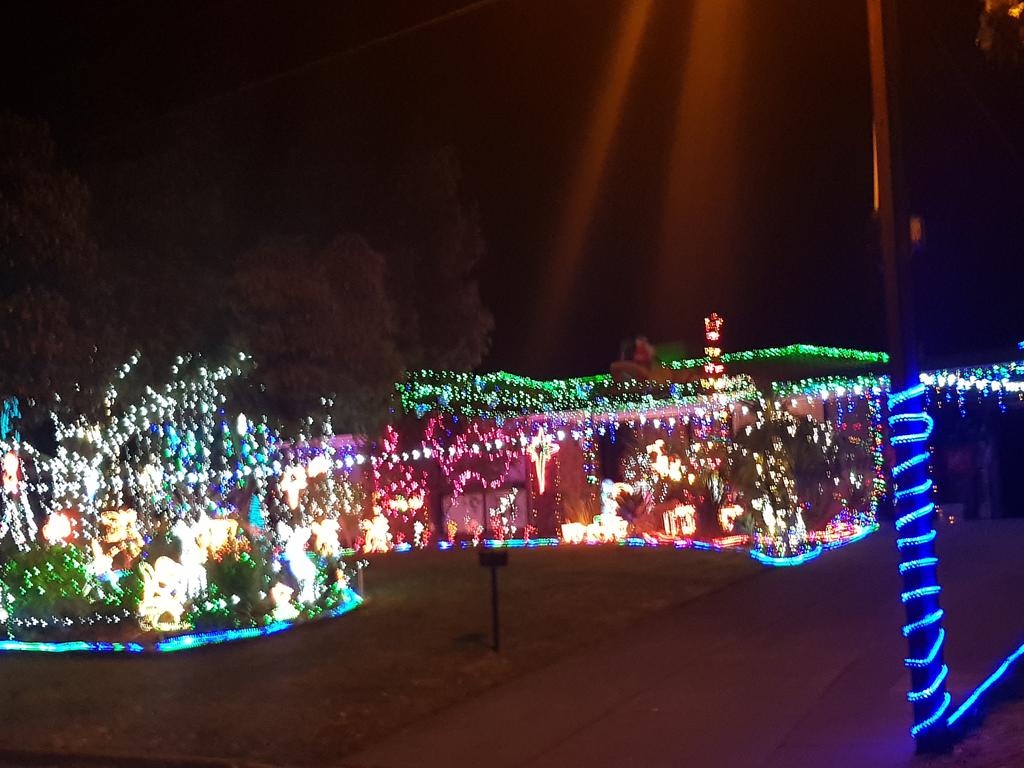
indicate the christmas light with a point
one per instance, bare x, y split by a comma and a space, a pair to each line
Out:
728, 515
542, 447
58, 528
910, 428
377, 536
713, 368
681, 520
163, 595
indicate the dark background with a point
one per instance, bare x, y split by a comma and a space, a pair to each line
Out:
258, 118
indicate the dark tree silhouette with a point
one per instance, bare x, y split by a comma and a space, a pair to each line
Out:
56, 342
320, 325
431, 235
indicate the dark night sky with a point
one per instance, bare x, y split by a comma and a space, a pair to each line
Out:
752, 198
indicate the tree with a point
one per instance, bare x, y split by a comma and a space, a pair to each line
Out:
168, 230
56, 344
320, 325
433, 242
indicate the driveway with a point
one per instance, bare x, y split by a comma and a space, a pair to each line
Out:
794, 667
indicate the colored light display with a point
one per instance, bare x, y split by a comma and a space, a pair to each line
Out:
540, 450
232, 493
910, 428
713, 368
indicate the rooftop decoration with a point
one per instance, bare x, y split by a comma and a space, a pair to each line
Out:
503, 395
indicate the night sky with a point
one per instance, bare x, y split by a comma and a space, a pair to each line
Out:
737, 174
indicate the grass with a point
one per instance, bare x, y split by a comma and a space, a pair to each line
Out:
313, 695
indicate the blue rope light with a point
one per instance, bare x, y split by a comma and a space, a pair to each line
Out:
913, 594
764, 559
921, 562
73, 646
910, 427
911, 462
917, 490
989, 682
928, 692
932, 654
352, 600
917, 514
916, 541
197, 640
927, 621
856, 537
933, 718
912, 437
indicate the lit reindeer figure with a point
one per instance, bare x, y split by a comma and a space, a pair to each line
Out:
299, 564
163, 594
193, 558
377, 534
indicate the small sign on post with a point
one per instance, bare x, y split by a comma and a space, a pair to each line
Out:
494, 559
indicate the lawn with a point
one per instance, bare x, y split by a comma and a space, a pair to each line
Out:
319, 692
997, 741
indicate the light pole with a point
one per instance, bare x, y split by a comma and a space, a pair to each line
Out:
909, 425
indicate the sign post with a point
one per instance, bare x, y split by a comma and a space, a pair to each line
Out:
494, 559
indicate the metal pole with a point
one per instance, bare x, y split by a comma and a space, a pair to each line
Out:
909, 425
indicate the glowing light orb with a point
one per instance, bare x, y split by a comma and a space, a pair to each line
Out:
319, 465
11, 467
58, 528
163, 595
376, 533
681, 520
292, 483
325, 535
728, 515
542, 447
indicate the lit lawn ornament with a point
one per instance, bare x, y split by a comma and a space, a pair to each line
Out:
299, 564
292, 483
376, 534
404, 505
216, 535
540, 450
284, 610
101, 564
681, 521
12, 473
59, 528
609, 526
318, 466
573, 533
193, 558
785, 532
502, 519
17, 514
163, 595
665, 466
151, 479
325, 537
728, 515
121, 534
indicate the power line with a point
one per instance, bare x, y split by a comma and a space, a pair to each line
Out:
376, 42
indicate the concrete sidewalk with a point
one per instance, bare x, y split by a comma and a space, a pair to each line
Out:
794, 667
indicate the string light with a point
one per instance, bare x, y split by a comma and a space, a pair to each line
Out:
230, 487
540, 450
910, 428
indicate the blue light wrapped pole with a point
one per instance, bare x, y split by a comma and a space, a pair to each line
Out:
909, 429
909, 425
